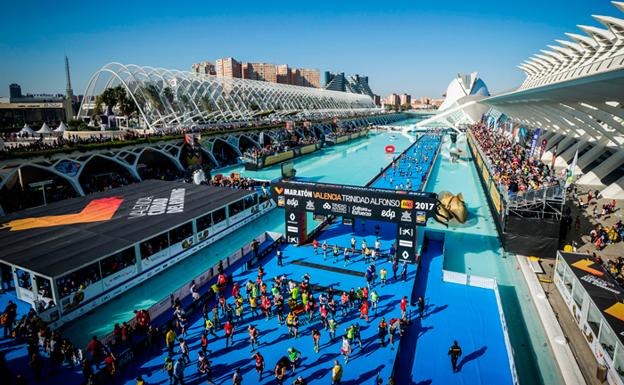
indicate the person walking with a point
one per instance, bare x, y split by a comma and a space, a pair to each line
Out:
228, 328
382, 331
455, 352
404, 307
178, 372
204, 367
237, 378
374, 298
383, 273
316, 337
404, 271
421, 307
345, 349
253, 336
336, 373
395, 268
259, 364
184, 351
333, 325
168, 366
279, 258
293, 356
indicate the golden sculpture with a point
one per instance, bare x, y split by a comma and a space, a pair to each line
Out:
451, 207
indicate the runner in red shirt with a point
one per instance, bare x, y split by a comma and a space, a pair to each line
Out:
229, 334
315, 244
235, 290
404, 307
259, 364
364, 310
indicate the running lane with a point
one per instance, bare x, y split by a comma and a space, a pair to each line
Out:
452, 312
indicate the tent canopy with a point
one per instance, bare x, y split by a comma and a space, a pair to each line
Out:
61, 128
26, 130
44, 129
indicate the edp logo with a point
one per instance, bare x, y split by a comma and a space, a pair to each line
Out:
390, 214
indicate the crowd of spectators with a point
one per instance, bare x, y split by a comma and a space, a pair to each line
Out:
349, 130
511, 164
40, 142
237, 182
276, 148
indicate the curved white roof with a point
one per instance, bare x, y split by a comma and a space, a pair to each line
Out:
462, 86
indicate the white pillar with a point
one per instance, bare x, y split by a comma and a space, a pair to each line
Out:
593, 177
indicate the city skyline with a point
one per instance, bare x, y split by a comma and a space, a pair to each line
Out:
420, 57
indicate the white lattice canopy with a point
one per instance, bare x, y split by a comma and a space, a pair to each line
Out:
171, 98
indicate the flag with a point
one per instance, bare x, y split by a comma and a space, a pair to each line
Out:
554, 152
572, 170
536, 135
189, 139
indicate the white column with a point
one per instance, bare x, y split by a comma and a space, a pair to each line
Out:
603, 169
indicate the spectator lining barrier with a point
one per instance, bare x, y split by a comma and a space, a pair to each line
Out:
519, 234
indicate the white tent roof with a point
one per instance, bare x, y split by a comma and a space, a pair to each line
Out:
26, 130
44, 129
61, 128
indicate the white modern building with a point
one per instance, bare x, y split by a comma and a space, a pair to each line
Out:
574, 92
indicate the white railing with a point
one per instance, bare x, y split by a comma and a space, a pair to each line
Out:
491, 284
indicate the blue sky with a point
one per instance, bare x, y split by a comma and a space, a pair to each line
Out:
403, 46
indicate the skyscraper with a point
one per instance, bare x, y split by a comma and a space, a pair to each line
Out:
284, 74
205, 68
353, 83
268, 72
15, 91
311, 77
393, 100
260, 71
228, 67
69, 93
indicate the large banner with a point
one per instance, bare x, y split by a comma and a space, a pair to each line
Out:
534, 140
407, 209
